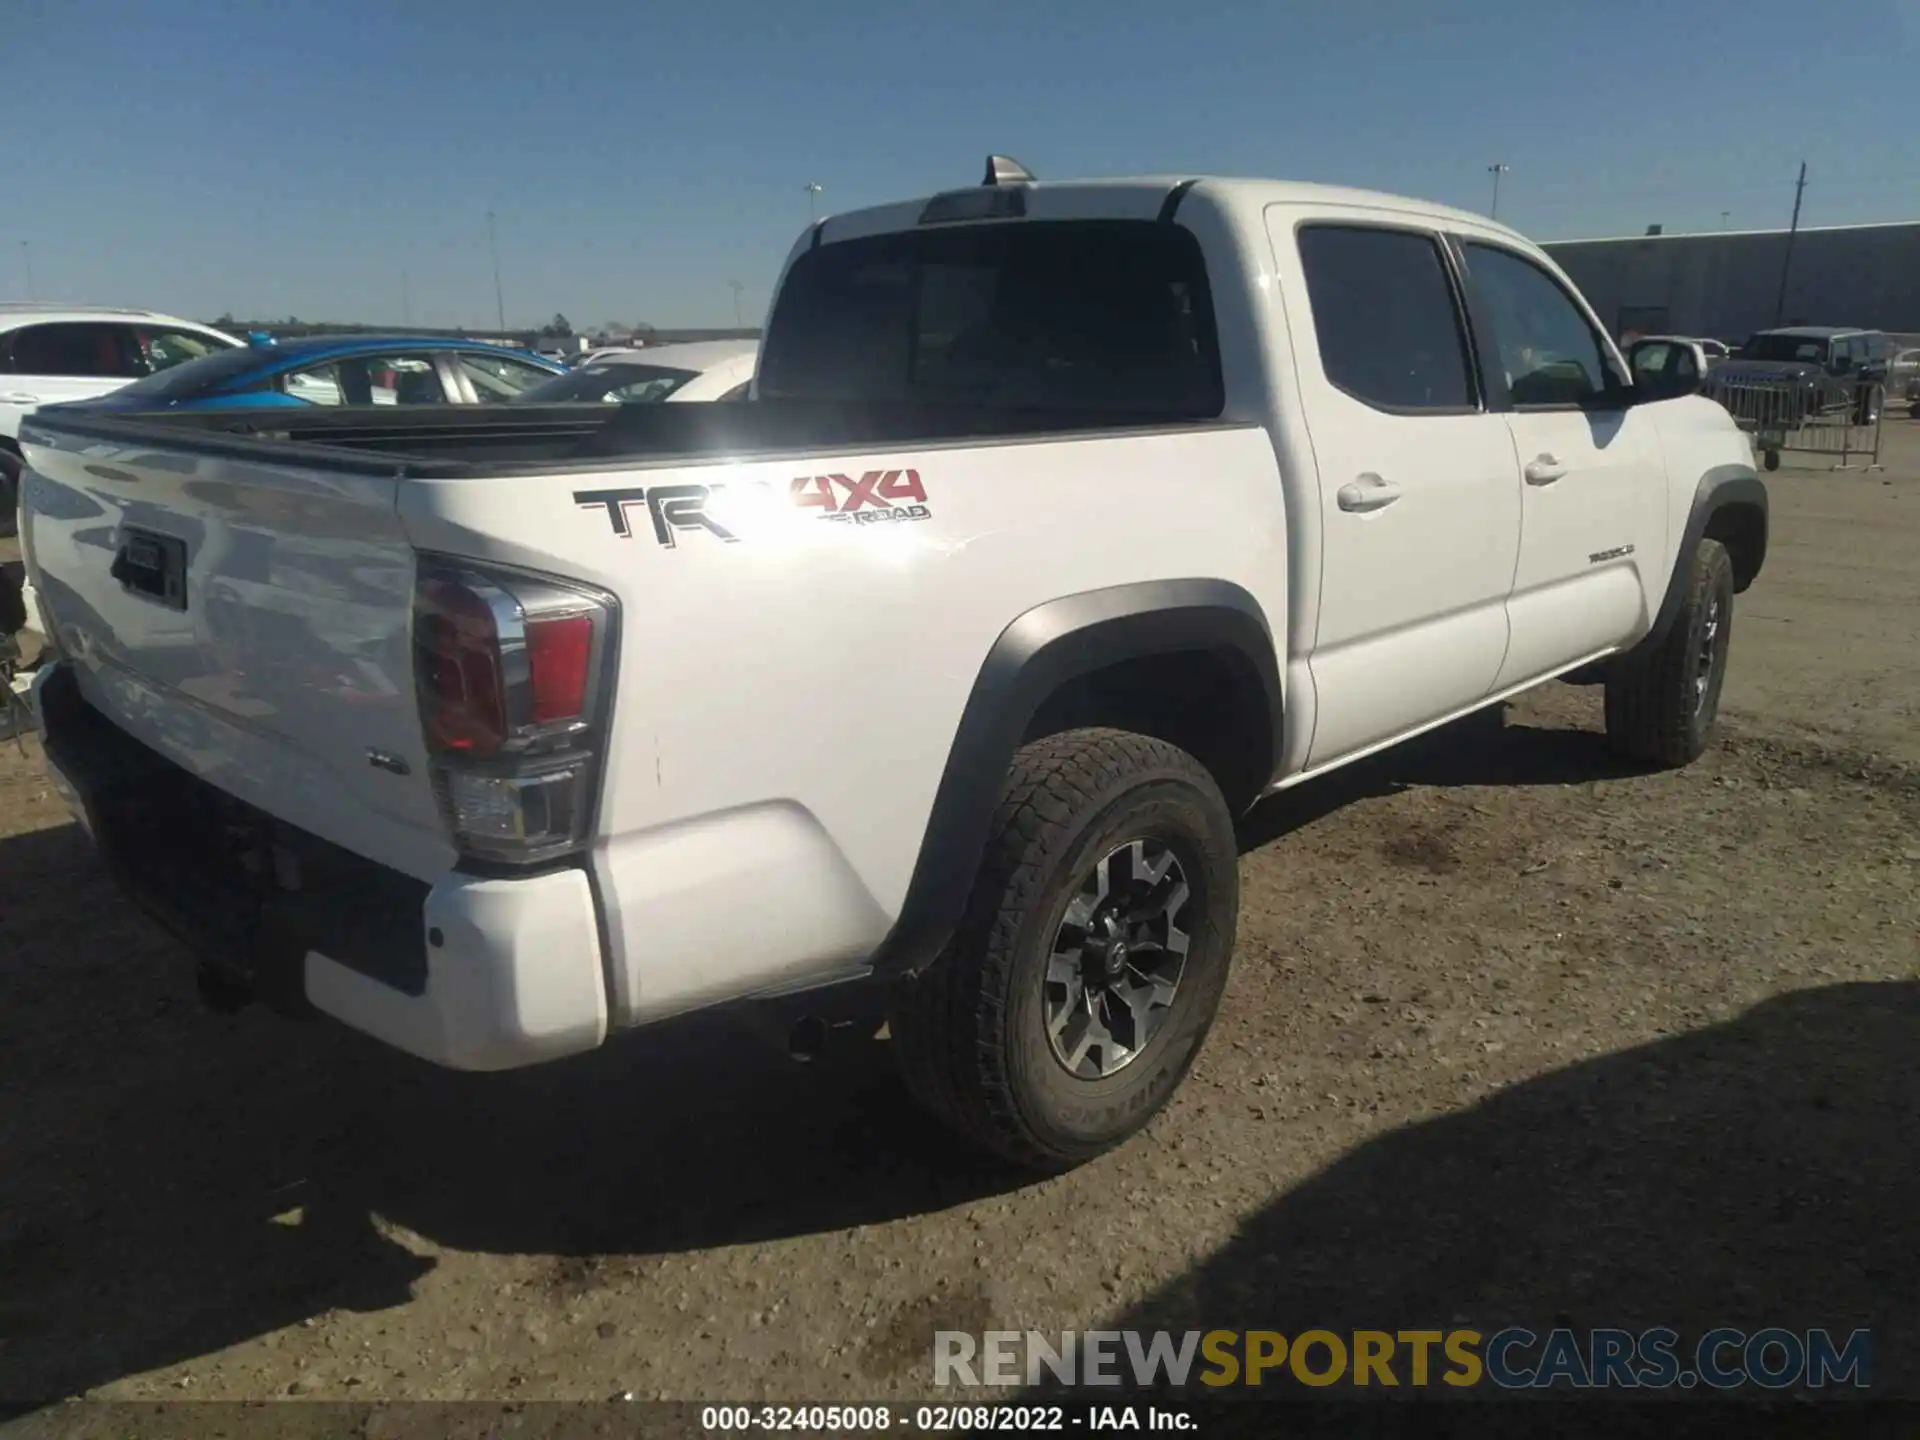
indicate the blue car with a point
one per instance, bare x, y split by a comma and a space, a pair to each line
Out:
339, 370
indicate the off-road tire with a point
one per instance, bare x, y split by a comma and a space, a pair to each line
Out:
970, 1028
1655, 711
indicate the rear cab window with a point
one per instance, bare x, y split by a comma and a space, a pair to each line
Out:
1103, 321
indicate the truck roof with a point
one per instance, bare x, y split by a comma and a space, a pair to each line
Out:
1818, 332
1143, 196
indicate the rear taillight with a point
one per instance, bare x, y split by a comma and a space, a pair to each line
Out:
511, 672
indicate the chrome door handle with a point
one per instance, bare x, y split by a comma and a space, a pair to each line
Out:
1367, 492
1544, 470
19, 399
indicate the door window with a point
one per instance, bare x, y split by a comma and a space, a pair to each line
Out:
1384, 312
368, 380
84, 350
500, 377
1549, 351
163, 349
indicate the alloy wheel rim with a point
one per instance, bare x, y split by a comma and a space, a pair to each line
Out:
1707, 657
1116, 960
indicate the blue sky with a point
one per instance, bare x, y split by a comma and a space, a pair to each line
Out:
276, 157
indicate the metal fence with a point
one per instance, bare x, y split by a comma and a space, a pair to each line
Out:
1827, 417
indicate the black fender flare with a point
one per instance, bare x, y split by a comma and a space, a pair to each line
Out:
1723, 488
1041, 650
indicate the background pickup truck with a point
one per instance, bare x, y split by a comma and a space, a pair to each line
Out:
1798, 375
1066, 522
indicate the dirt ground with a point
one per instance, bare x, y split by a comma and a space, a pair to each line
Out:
1514, 1035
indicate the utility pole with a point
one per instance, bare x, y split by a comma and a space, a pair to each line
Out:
493, 248
1496, 170
814, 188
1786, 263
736, 287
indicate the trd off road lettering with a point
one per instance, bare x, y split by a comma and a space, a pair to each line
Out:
869, 499
877, 488
672, 507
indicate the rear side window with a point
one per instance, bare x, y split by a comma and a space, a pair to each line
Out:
83, 349
1105, 318
1384, 311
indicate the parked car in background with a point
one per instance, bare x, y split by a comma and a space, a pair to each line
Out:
337, 370
1791, 376
704, 370
1903, 380
600, 352
49, 355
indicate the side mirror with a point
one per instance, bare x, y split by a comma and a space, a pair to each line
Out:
1666, 369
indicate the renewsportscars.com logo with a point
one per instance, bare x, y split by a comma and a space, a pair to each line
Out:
1511, 1359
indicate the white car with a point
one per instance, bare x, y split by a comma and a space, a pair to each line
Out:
1067, 521
49, 354
699, 370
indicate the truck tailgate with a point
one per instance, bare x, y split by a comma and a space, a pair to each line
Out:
249, 621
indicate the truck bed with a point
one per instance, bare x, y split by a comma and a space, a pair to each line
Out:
433, 442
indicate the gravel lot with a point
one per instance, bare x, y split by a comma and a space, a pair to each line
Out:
1513, 1034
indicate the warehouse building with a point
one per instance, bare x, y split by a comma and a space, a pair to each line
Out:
1727, 285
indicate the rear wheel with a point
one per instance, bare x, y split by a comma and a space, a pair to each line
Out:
1091, 960
1662, 705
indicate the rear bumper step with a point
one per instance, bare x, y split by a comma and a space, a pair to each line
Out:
471, 973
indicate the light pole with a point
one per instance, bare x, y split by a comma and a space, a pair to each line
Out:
736, 287
493, 248
1725, 215
26, 258
814, 187
406, 299
1496, 170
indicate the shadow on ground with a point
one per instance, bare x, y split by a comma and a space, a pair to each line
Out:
1485, 748
149, 1145
1762, 1172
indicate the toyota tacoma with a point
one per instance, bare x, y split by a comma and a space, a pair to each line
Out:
1066, 521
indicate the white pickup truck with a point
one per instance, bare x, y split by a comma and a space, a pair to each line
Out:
1066, 522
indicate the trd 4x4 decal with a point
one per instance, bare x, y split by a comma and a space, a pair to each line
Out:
877, 497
